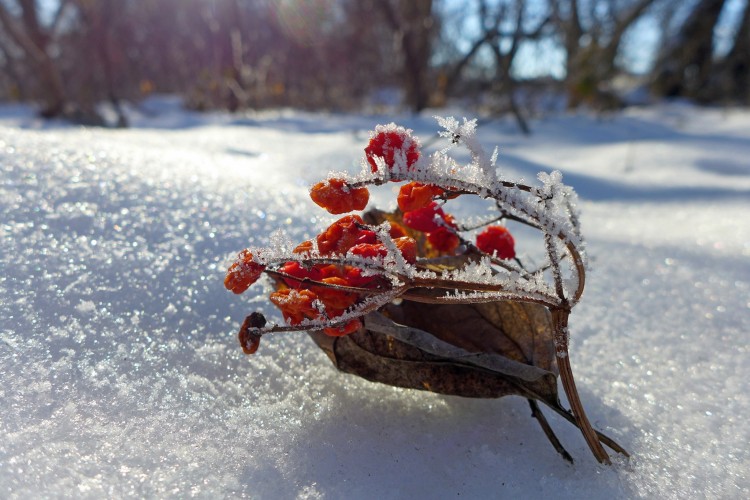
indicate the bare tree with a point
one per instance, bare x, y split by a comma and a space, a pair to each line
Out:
733, 73
504, 82
685, 65
591, 40
34, 41
505, 25
415, 26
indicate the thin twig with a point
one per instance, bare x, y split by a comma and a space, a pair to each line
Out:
536, 412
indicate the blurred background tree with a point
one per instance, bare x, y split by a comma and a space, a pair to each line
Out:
495, 56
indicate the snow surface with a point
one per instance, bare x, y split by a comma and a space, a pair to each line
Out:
122, 376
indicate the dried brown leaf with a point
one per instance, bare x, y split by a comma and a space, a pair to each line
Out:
478, 350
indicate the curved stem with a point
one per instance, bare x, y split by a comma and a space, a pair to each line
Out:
560, 324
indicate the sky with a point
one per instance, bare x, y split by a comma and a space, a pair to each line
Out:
639, 47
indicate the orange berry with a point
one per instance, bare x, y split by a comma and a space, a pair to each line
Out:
243, 272
415, 195
249, 338
336, 196
335, 301
304, 247
397, 230
408, 248
341, 235
295, 305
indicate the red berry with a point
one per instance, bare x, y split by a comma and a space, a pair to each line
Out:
443, 240
295, 269
335, 301
428, 219
369, 250
386, 141
367, 236
243, 272
497, 239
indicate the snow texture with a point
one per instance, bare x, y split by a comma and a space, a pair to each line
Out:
122, 375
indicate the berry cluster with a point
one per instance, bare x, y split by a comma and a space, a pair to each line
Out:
422, 253
329, 279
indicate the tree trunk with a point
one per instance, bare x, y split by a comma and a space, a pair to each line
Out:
684, 69
589, 67
735, 72
33, 44
413, 24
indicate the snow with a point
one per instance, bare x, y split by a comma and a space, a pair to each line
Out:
122, 375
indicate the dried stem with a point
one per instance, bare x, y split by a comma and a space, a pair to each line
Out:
560, 335
536, 412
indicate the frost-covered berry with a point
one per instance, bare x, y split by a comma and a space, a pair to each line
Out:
406, 245
335, 301
395, 145
243, 272
295, 305
497, 239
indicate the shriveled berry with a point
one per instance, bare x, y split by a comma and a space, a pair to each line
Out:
346, 329
296, 270
341, 235
443, 240
338, 197
408, 248
367, 236
415, 195
391, 142
369, 250
304, 247
295, 305
243, 272
249, 336
335, 301
397, 230
497, 240
427, 219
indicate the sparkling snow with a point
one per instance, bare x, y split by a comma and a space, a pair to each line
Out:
122, 375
